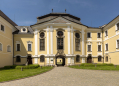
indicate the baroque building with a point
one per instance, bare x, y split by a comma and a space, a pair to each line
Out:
58, 38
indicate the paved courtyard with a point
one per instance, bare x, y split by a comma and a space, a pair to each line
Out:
64, 76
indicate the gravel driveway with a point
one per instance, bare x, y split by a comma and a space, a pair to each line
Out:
64, 76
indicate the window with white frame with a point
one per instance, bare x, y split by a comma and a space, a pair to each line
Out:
8, 48
77, 41
106, 33
89, 47
98, 35
106, 47
88, 35
99, 47
18, 47
0, 46
2, 28
118, 44
29, 47
42, 41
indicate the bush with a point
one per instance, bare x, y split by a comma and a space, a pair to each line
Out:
10, 67
89, 64
24, 67
28, 66
104, 64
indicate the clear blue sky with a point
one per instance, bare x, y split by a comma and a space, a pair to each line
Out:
93, 13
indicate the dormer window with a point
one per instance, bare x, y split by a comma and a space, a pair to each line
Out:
24, 30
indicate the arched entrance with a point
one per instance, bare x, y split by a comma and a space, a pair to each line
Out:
29, 59
60, 60
89, 59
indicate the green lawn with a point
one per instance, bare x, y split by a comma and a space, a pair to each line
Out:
96, 68
12, 74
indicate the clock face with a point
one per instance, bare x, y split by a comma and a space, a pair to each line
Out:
42, 34
60, 33
77, 35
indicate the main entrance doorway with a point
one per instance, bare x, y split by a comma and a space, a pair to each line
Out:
60, 60
29, 60
89, 59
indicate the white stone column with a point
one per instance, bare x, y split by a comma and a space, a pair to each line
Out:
51, 34
68, 30
36, 46
47, 40
72, 40
36, 42
83, 47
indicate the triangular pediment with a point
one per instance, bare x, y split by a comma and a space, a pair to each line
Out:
59, 20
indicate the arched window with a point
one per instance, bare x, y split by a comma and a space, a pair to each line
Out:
77, 58
42, 58
60, 40
18, 59
8, 48
0, 46
42, 41
106, 59
99, 58
77, 41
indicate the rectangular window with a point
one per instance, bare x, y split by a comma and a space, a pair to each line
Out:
106, 47
99, 35
2, 27
42, 44
117, 43
99, 47
89, 47
88, 35
77, 43
106, 33
59, 43
29, 47
18, 47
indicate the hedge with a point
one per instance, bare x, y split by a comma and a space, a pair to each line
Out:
24, 67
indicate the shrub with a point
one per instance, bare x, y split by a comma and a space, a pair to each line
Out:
28, 66
24, 67
104, 64
89, 64
10, 67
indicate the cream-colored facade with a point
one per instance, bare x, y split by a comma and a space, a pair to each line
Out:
6, 40
61, 35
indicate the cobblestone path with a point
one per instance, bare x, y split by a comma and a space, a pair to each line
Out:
64, 76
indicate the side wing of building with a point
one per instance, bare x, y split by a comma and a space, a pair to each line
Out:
7, 26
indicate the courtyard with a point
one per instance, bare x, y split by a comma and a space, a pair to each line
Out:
65, 76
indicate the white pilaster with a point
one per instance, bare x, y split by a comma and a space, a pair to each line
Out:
83, 47
68, 30
48, 40
36, 42
51, 29
72, 42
